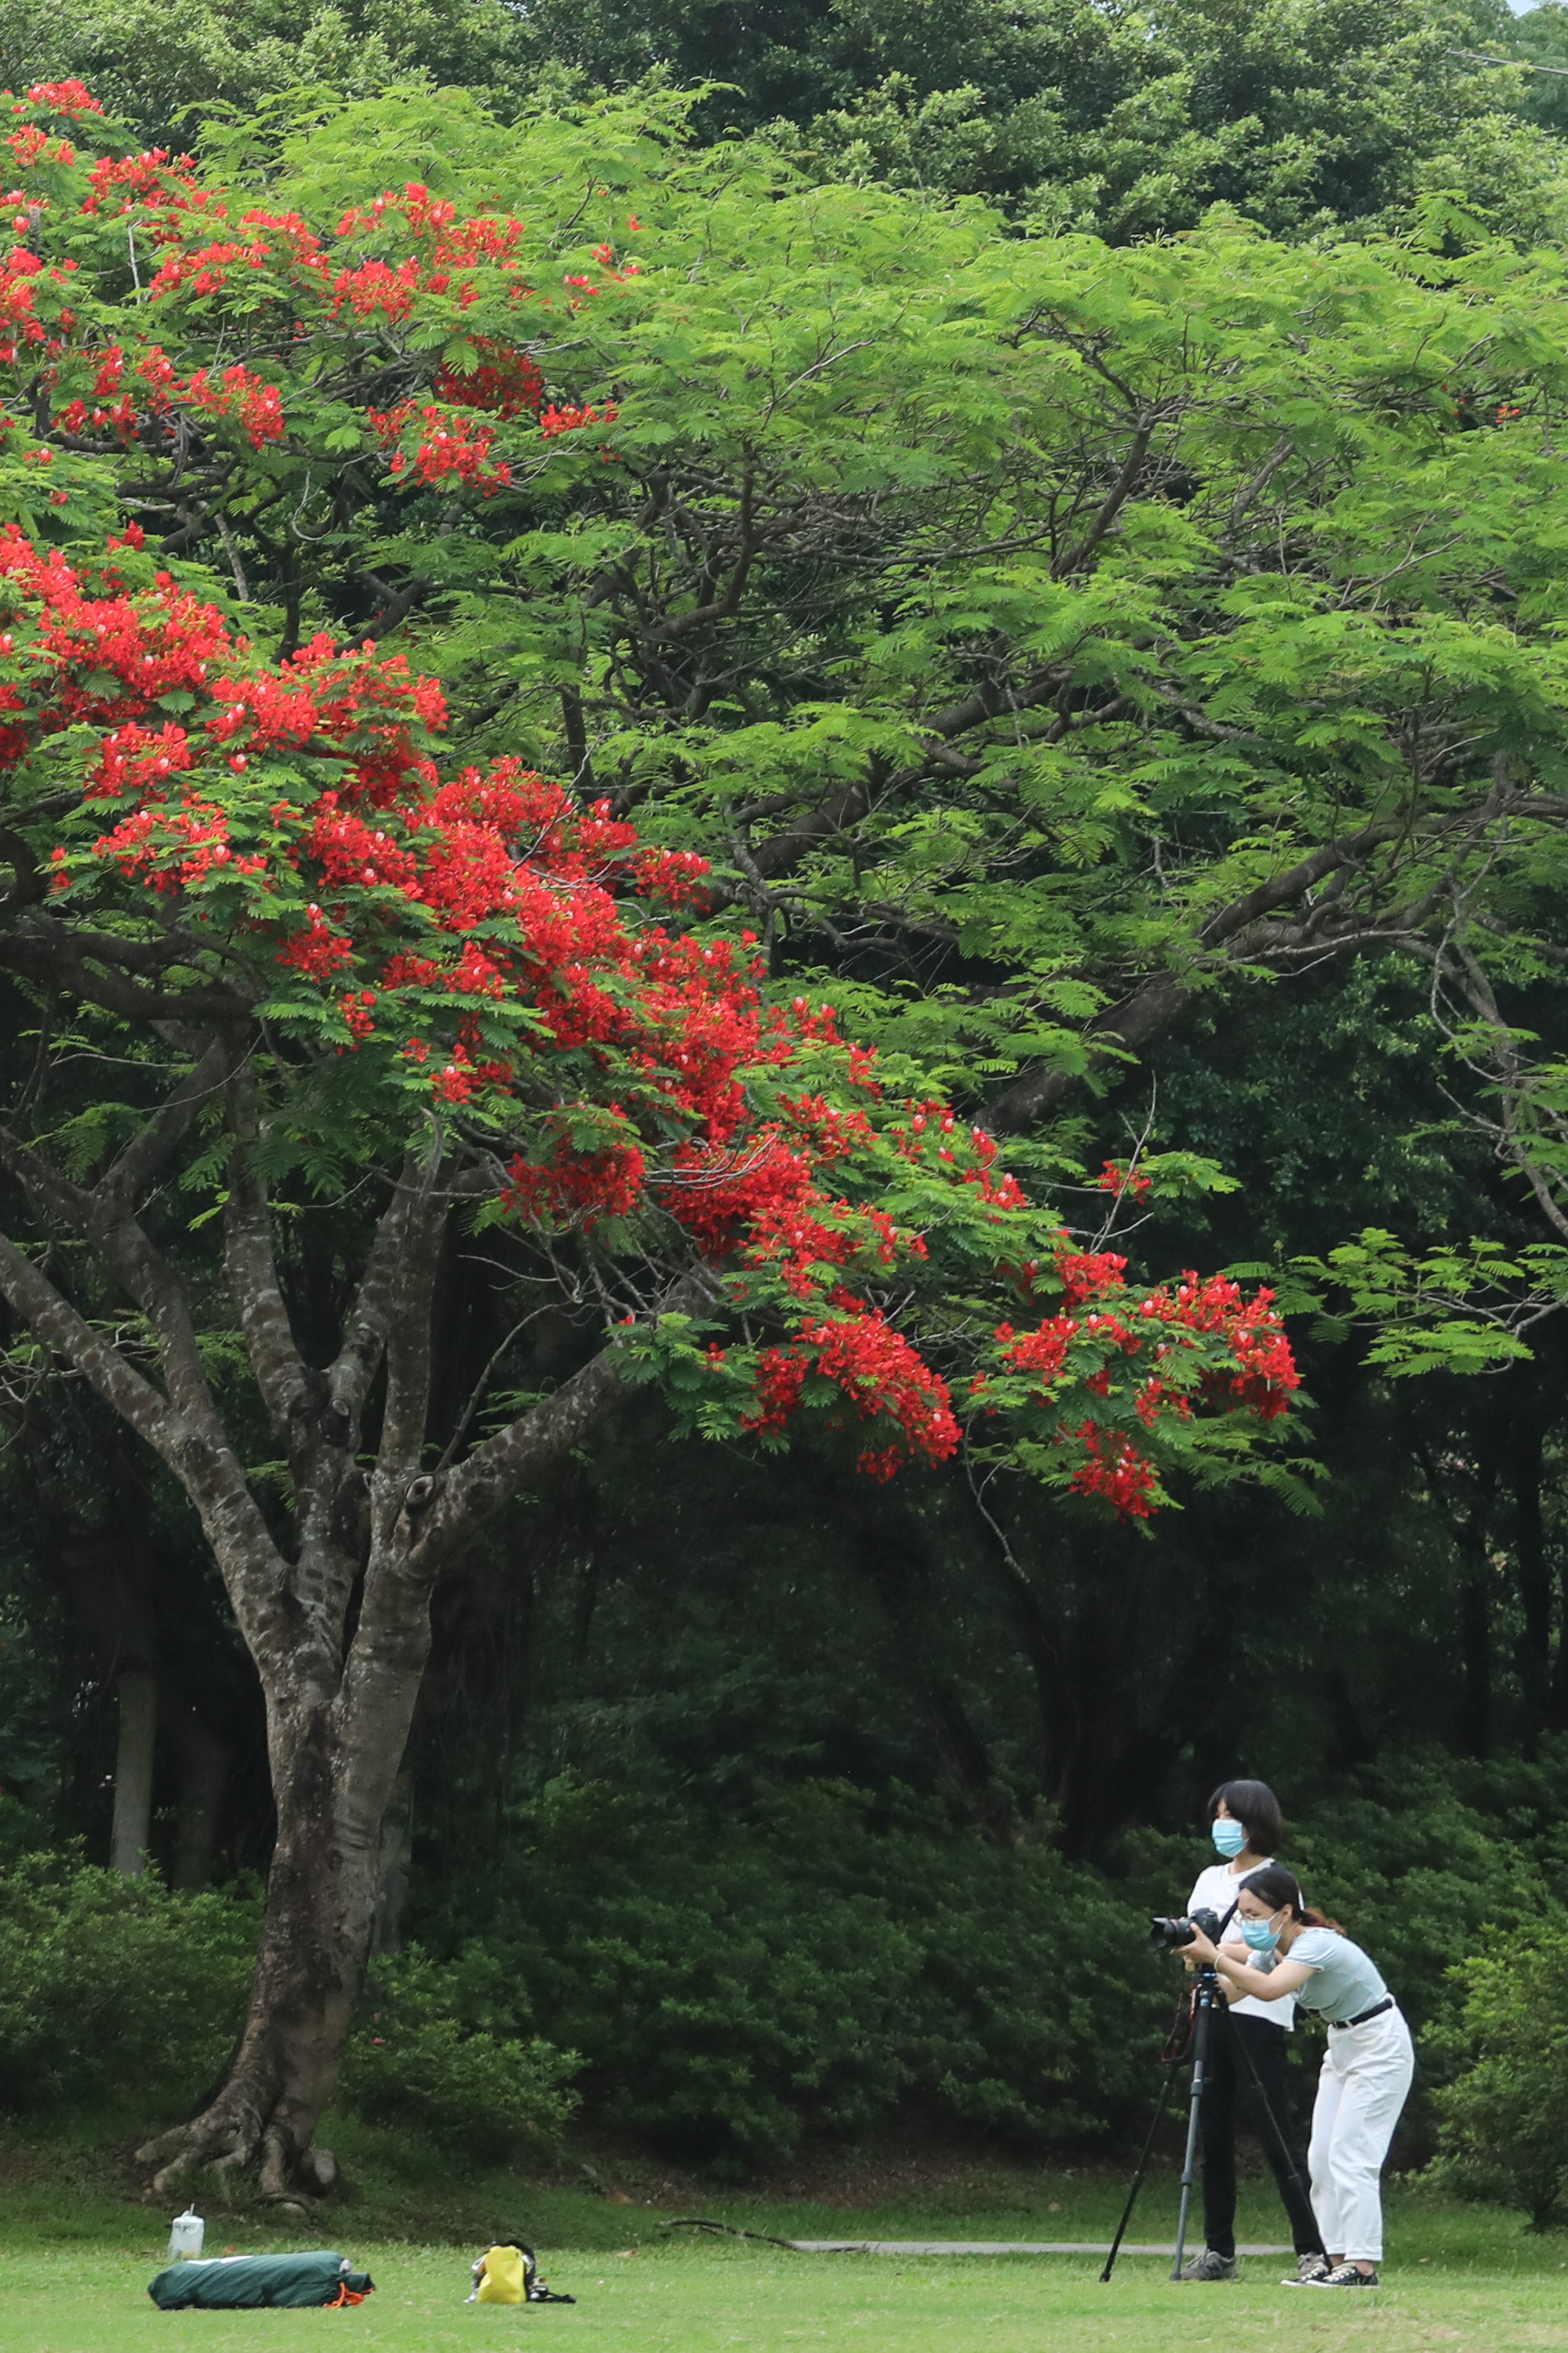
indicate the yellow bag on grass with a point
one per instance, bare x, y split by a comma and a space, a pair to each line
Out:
504, 2280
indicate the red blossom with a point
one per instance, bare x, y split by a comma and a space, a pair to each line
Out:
491, 940
1116, 1177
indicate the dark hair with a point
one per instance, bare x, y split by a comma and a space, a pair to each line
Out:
1274, 1886
1255, 1805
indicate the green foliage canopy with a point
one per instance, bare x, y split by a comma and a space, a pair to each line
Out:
1032, 629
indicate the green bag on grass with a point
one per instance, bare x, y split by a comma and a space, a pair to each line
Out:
247, 2282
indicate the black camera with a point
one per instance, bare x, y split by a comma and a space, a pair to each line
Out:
1171, 1934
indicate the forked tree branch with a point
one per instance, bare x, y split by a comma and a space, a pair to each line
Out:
201, 1459
146, 1159
369, 1319
128, 1252
409, 1347
50, 1316
465, 1499
251, 1263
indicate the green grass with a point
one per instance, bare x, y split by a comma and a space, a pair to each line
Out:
716, 2299
75, 2259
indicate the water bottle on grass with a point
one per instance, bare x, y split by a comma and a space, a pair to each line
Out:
186, 2235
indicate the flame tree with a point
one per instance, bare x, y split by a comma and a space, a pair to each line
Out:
296, 961
270, 956
1002, 610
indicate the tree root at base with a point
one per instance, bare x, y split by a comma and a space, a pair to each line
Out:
230, 2139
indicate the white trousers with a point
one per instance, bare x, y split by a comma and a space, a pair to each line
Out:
1365, 2085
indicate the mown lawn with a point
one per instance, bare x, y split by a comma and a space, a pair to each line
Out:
73, 2279
716, 2299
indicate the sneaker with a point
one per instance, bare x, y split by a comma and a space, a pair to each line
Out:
1311, 2272
1209, 2266
1345, 2275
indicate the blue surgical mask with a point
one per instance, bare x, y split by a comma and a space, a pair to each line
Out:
1229, 1836
1258, 1933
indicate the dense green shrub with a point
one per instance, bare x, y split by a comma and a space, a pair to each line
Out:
114, 1988
1502, 2117
443, 2053
814, 1961
1418, 1860
734, 1985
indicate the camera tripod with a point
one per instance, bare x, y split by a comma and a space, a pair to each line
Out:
1208, 1997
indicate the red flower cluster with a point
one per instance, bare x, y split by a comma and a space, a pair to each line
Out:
153, 178
553, 421
406, 255
486, 939
879, 1376
1116, 1177
450, 447
22, 280
67, 97
155, 387
506, 382
1252, 1366
1114, 1469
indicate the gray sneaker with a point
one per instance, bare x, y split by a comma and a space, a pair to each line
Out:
1310, 2270
1209, 2266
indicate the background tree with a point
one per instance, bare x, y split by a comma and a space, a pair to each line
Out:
1129, 121
1000, 572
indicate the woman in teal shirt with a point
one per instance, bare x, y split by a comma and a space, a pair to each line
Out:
1367, 2068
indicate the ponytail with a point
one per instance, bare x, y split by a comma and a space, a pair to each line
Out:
1280, 1889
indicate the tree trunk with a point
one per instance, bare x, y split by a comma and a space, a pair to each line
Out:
891, 1546
204, 1779
392, 1867
133, 1826
1475, 1723
1535, 1652
333, 1773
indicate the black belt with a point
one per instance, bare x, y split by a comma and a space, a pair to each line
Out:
1375, 2012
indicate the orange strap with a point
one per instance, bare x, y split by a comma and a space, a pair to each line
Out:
345, 2294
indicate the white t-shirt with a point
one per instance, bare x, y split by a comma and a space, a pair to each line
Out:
1216, 1890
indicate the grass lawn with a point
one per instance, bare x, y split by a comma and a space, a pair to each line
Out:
715, 2299
74, 2266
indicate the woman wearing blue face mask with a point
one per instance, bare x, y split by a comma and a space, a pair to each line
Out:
1246, 1827
1288, 1951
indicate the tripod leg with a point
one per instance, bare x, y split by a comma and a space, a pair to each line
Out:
1160, 2106
1205, 1998
1302, 2188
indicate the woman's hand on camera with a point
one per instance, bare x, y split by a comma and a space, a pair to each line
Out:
1199, 1948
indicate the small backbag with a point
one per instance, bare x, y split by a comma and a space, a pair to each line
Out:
507, 2272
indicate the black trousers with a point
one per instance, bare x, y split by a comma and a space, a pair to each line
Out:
1226, 2074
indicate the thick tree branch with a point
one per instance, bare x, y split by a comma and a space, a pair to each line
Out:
200, 1459
32, 1297
465, 1499
1115, 501
146, 1159
1150, 1008
59, 963
370, 1318
126, 1250
251, 1264
405, 1418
